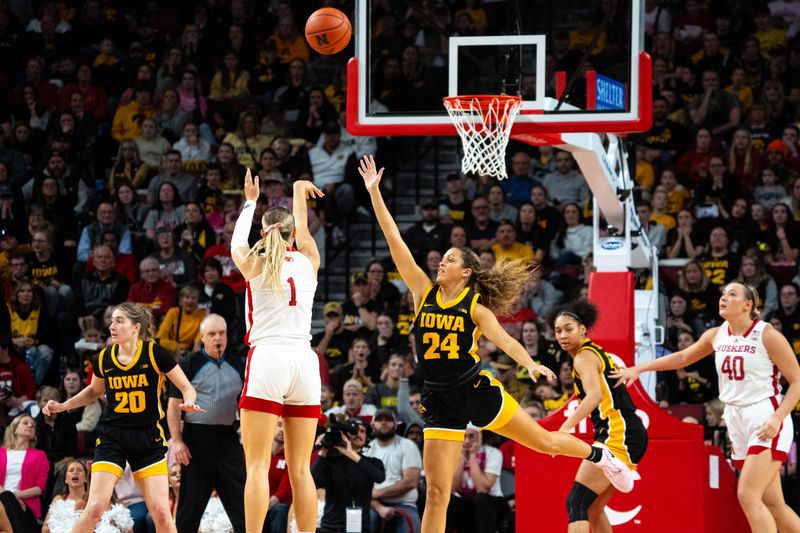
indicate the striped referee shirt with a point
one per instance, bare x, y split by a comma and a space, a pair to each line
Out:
218, 383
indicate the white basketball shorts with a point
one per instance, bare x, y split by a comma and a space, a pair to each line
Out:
743, 425
282, 378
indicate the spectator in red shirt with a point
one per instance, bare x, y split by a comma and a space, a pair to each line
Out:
152, 290
94, 97
46, 92
691, 25
693, 160
744, 161
19, 270
222, 253
280, 489
513, 323
17, 385
124, 264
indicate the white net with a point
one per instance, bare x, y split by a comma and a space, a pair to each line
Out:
484, 125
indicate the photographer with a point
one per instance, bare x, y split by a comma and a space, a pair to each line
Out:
346, 475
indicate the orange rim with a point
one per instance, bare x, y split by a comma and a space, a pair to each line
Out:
484, 100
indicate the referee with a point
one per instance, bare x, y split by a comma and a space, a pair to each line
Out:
208, 446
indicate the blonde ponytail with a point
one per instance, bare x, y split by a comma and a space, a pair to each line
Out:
278, 225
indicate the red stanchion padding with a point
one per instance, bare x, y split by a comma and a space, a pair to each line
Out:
666, 500
612, 293
723, 512
686, 486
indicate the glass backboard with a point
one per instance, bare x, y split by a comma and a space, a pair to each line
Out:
578, 65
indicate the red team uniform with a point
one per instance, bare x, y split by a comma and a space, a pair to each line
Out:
749, 385
282, 374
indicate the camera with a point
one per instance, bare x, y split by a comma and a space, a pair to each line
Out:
333, 436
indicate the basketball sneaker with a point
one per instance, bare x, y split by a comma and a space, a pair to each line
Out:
615, 470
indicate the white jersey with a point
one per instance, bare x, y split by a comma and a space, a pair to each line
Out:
747, 375
270, 314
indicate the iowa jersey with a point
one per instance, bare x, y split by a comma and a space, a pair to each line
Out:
447, 338
133, 390
614, 399
615, 421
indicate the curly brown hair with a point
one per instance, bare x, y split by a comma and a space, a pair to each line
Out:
501, 286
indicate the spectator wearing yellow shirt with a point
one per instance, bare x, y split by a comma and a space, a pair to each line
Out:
127, 124
180, 330
659, 205
582, 36
554, 398
712, 55
677, 194
769, 36
505, 369
247, 141
740, 89
506, 245
336, 92
645, 174
288, 42
477, 14
231, 81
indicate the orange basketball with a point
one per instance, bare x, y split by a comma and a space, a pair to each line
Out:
328, 30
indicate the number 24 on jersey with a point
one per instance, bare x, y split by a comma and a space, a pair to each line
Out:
437, 345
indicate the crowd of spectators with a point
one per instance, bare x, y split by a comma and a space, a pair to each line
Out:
125, 132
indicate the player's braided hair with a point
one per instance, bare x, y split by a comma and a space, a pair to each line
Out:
139, 314
501, 286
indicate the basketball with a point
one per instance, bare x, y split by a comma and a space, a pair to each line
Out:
328, 30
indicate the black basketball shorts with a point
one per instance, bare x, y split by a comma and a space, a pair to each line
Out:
144, 448
481, 401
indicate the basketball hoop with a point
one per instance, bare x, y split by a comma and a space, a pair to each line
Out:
484, 124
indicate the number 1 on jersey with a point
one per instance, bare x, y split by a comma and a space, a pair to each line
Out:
293, 295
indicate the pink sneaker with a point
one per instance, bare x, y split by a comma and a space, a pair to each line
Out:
615, 470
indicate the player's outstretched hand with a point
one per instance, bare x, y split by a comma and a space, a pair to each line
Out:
625, 376
372, 176
542, 370
251, 190
191, 408
308, 189
52, 407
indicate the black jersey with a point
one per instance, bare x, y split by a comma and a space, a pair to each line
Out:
447, 338
133, 391
606, 416
720, 270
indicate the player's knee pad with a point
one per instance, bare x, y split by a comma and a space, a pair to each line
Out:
579, 500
